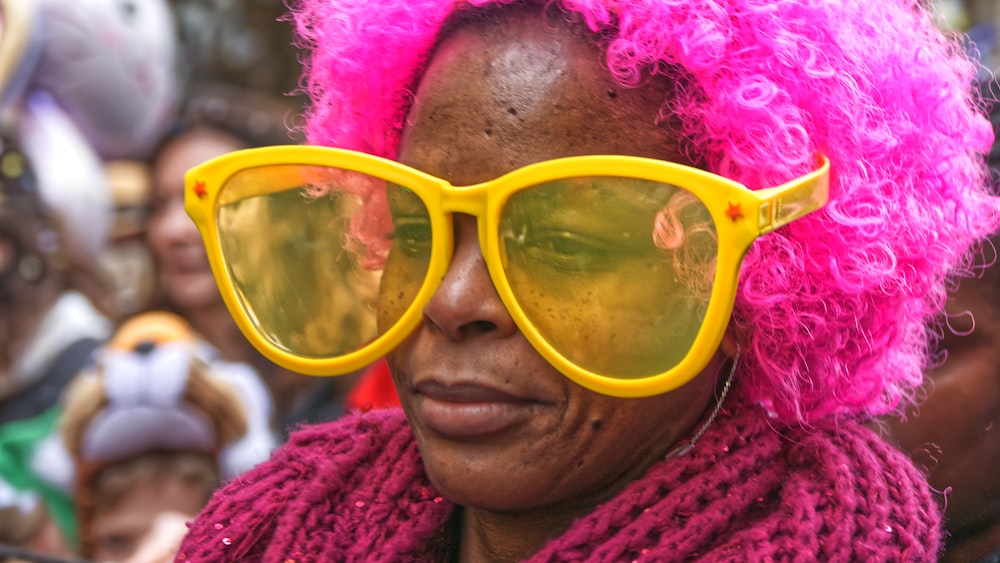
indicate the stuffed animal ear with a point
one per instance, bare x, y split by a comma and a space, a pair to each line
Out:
149, 330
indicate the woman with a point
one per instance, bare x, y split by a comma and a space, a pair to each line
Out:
576, 382
184, 276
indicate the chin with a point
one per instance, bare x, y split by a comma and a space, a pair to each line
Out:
192, 294
463, 484
496, 500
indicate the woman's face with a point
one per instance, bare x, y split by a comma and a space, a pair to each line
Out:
184, 273
498, 427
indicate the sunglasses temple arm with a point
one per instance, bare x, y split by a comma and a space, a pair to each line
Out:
785, 203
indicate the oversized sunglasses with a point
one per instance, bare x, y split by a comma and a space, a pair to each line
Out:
620, 271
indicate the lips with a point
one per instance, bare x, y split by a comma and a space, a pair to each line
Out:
470, 410
186, 265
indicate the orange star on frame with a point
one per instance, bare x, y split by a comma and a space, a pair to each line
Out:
734, 212
199, 189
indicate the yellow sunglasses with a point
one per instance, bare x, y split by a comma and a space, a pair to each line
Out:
620, 271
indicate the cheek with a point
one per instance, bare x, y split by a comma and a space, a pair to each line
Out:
636, 322
155, 236
615, 437
400, 283
170, 224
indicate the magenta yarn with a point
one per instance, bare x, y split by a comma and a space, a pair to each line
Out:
355, 490
833, 308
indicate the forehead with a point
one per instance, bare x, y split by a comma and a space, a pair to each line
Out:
498, 97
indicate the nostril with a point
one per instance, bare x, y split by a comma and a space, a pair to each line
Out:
479, 326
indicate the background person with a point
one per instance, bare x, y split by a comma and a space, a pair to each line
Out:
219, 119
51, 319
185, 280
154, 428
67, 102
952, 431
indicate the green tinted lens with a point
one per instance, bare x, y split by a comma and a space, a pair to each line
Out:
307, 260
615, 273
408, 256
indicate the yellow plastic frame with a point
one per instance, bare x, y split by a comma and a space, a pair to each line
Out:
740, 215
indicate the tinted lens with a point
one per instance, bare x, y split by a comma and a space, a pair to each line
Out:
306, 251
615, 273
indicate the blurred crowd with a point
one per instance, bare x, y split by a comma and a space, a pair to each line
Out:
127, 392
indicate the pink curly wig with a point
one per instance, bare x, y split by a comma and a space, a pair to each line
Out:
833, 310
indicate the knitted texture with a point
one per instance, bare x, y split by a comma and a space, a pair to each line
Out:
355, 490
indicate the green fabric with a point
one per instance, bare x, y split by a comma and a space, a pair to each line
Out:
18, 441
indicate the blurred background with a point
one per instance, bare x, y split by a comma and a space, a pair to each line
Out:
107, 302
237, 43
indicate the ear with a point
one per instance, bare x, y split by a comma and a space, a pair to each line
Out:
730, 343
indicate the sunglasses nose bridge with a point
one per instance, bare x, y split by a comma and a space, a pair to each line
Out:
469, 200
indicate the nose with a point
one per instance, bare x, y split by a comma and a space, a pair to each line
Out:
466, 303
175, 225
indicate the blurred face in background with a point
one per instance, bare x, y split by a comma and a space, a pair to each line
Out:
33, 274
184, 274
130, 497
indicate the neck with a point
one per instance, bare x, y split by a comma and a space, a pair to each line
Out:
219, 329
509, 536
502, 538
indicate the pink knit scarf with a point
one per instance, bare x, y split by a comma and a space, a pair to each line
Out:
355, 490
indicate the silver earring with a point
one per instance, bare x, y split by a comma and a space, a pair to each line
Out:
686, 447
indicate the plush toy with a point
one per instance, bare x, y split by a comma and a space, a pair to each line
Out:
86, 81
108, 64
157, 403
156, 374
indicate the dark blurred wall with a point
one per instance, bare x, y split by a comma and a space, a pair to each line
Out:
237, 42
237, 62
